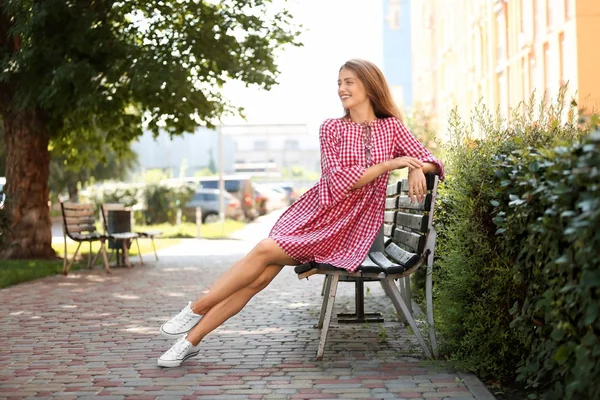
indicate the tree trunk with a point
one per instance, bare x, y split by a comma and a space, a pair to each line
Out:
27, 194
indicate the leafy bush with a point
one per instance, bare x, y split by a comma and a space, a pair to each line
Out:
475, 286
548, 220
162, 202
152, 203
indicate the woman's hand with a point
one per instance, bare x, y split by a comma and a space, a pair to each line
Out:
417, 184
404, 162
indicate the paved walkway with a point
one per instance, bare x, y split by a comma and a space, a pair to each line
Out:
92, 335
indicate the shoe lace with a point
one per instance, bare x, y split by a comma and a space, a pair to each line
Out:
182, 318
180, 346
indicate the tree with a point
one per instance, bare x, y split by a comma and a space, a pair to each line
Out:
75, 75
2, 151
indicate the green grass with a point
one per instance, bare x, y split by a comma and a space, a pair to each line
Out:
17, 271
189, 229
145, 247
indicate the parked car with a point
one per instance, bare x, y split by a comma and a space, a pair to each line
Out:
291, 193
208, 201
241, 187
270, 199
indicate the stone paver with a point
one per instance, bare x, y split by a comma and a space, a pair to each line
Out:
93, 335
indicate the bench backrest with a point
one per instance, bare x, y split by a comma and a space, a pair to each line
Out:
78, 218
408, 226
105, 208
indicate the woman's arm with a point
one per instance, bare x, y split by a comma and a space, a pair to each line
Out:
376, 170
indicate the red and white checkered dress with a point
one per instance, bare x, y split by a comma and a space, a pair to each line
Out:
335, 225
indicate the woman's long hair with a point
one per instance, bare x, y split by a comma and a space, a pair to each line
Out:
376, 87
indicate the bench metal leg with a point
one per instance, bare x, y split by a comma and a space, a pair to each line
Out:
67, 265
389, 294
326, 291
154, 248
90, 265
137, 242
126, 253
325, 281
429, 300
401, 308
328, 313
104, 256
359, 315
406, 293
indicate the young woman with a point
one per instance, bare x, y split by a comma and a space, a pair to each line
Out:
336, 221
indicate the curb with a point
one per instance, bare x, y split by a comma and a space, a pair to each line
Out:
475, 386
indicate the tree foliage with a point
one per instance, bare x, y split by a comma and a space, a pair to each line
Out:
99, 69
80, 75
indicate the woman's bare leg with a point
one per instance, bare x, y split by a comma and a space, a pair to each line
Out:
242, 274
232, 305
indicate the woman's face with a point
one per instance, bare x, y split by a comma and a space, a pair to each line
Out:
351, 90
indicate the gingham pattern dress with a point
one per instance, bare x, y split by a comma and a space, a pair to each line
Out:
331, 223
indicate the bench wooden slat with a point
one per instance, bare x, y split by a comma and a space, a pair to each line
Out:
368, 262
79, 213
390, 203
393, 189
78, 206
381, 260
429, 179
405, 203
79, 220
412, 240
388, 230
413, 221
401, 256
389, 217
80, 228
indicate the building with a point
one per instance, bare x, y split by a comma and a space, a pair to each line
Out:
267, 149
397, 64
502, 51
254, 149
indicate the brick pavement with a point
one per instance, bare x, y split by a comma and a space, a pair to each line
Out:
92, 335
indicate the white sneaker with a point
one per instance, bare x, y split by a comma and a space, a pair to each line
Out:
180, 324
178, 353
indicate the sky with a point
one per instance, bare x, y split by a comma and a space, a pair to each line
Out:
334, 31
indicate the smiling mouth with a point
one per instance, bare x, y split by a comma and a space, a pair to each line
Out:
344, 97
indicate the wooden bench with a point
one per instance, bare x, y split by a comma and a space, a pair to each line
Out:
79, 225
405, 242
106, 207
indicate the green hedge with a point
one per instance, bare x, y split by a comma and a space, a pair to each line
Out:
154, 203
548, 220
484, 296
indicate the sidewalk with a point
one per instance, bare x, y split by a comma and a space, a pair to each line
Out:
92, 335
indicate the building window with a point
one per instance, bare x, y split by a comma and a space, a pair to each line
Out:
561, 59
260, 145
532, 83
568, 9
526, 92
547, 73
501, 35
538, 10
527, 20
502, 86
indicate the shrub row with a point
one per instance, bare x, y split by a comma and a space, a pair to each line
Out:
517, 280
153, 203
